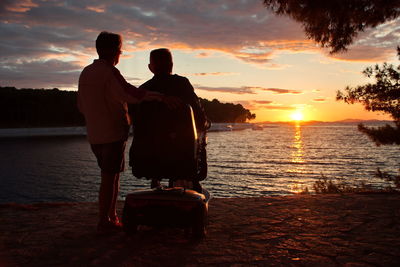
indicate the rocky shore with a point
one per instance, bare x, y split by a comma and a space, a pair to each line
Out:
298, 230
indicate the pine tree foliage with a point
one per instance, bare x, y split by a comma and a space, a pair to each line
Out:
335, 23
383, 95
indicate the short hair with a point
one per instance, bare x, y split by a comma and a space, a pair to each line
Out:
161, 59
107, 43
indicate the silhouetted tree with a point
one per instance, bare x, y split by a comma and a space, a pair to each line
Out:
49, 108
38, 108
335, 23
383, 95
226, 112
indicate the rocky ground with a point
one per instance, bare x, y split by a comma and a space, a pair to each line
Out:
299, 230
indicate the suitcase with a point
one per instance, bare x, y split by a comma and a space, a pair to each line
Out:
173, 207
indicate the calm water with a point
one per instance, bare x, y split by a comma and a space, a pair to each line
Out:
273, 161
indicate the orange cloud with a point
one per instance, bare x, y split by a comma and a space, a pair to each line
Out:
264, 104
98, 9
231, 90
278, 107
365, 54
20, 6
203, 54
274, 66
282, 91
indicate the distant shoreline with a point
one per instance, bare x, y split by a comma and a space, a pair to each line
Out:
41, 131
81, 130
310, 122
16, 132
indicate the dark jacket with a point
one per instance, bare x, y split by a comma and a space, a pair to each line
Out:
175, 85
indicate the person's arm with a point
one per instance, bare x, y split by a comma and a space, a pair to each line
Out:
126, 92
202, 122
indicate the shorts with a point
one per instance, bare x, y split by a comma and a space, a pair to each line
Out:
111, 156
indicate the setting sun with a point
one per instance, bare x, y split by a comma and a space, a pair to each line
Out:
297, 116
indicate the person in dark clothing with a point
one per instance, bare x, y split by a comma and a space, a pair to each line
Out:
175, 86
169, 84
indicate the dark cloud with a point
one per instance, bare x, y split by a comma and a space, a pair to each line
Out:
21, 41
282, 91
222, 25
263, 102
43, 30
66, 30
247, 90
40, 74
375, 44
232, 90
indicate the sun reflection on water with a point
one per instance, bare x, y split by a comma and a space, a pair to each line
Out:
297, 158
298, 152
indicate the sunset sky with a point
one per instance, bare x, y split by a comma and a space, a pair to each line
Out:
233, 50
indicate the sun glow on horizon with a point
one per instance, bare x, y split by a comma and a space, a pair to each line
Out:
297, 116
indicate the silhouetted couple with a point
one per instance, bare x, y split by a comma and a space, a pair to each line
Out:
103, 97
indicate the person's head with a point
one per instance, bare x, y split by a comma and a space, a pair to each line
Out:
108, 46
161, 61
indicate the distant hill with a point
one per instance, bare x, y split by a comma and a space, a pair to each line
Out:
345, 121
350, 121
363, 121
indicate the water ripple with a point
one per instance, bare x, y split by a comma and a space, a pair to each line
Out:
274, 161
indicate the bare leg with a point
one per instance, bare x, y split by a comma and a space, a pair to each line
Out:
106, 195
113, 208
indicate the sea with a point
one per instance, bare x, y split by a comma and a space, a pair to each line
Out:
57, 165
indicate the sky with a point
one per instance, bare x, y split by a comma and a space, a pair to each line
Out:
236, 51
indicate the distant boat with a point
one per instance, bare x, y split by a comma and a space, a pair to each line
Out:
220, 127
227, 127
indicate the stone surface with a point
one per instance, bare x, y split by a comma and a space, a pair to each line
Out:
299, 230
